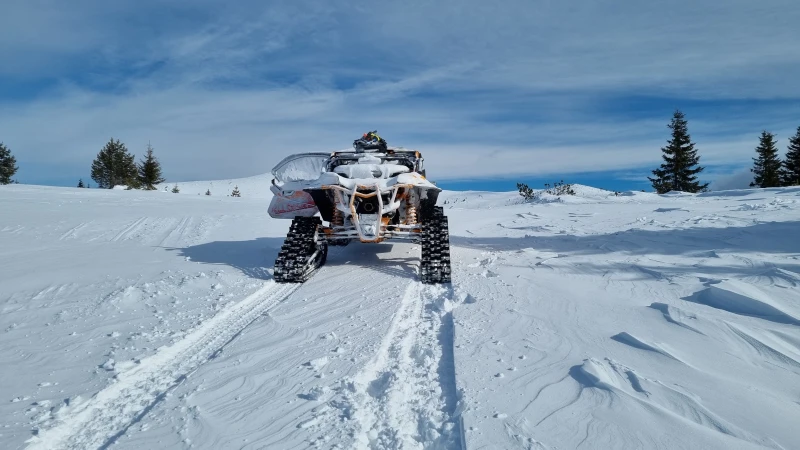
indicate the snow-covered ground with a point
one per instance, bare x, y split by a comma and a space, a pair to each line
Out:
137, 320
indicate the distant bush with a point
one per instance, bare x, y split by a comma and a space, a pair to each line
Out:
525, 191
236, 192
175, 190
558, 189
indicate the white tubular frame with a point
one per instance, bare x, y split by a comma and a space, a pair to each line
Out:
405, 232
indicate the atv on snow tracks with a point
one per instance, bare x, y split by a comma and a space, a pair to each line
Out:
369, 196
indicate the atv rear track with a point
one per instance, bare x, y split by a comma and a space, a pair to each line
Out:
305, 250
435, 264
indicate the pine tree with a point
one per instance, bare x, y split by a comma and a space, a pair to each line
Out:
175, 190
791, 165
208, 192
114, 166
767, 166
80, 183
680, 167
150, 171
8, 165
236, 192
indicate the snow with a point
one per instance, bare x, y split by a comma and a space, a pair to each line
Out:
301, 167
250, 187
134, 319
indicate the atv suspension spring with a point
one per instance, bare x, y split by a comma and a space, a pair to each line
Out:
338, 218
411, 214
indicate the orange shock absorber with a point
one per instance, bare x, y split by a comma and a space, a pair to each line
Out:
338, 218
411, 213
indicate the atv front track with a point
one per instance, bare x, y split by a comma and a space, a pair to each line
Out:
302, 252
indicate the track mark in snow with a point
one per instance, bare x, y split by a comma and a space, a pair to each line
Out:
406, 396
176, 232
130, 229
72, 232
98, 422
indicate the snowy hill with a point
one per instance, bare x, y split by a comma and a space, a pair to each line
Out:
251, 187
135, 319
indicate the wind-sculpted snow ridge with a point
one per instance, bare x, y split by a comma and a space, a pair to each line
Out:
741, 298
98, 422
675, 315
703, 300
627, 339
571, 318
673, 403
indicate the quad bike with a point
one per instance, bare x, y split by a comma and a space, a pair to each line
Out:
368, 196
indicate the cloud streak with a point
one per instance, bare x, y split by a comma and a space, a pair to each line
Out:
227, 90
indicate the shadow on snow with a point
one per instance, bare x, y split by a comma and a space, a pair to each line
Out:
256, 258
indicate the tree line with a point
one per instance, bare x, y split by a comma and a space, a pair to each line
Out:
115, 166
681, 163
8, 165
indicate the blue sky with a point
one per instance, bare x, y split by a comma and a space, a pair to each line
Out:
491, 92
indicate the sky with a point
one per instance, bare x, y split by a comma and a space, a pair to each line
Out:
492, 93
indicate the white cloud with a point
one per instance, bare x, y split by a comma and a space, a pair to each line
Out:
738, 180
227, 89
200, 134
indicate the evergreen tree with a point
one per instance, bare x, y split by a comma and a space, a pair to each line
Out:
114, 166
175, 190
80, 183
791, 165
767, 166
236, 192
150, 171
8, 165
208, 192
680, 167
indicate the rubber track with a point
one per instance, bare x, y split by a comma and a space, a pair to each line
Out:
294, 264
435, 264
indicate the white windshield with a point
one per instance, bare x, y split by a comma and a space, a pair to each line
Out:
302, 167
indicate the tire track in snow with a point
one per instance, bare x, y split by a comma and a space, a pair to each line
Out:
73, 232
98, 422
176, 232
130, 229
406, 397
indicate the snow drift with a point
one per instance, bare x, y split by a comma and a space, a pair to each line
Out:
137, 319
